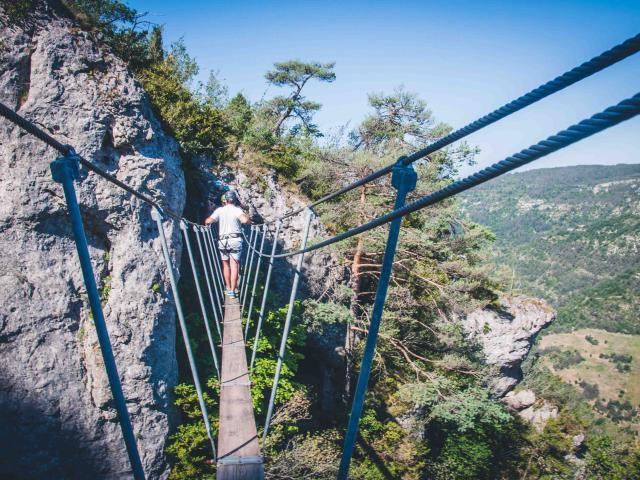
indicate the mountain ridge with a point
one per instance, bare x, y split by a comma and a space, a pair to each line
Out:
565, 234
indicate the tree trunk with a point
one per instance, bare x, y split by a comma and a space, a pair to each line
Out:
285, 115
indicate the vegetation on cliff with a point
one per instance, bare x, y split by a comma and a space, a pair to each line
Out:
569, 235
428, 413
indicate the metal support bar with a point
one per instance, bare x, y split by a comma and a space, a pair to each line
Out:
287, 325
157, 216
217, 267
64, 170
403, 179
243, 272
215, 281
196, 280
215, 241
246, 288
212, 297
265, 294
255, 282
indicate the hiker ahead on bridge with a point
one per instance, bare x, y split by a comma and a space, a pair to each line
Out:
230, 218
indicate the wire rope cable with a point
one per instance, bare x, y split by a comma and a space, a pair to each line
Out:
614, 115
595, 65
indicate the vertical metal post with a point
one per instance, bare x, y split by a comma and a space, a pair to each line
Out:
265, 293
215, 242
243, 272
157, 216
247, 283
255, 282
212, 270
64, 170
196, 280
403, 180
217, 267
287, 324
206, 269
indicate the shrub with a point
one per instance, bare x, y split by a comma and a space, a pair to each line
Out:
591, 340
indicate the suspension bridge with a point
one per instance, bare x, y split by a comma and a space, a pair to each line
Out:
238, 454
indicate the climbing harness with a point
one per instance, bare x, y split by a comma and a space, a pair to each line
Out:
225, 247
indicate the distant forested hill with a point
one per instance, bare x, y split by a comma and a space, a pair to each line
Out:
572, 236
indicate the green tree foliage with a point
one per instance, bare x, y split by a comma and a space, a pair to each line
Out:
294, 75
611, 460
17, 10
239, 116
437, 275
195, 120
156, 46
267, 355
280, 133
123, 27
189, 446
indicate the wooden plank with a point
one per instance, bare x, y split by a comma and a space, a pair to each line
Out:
238, 448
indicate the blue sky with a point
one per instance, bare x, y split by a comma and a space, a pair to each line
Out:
464, 58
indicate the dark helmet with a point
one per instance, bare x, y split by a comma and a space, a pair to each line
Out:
231, 197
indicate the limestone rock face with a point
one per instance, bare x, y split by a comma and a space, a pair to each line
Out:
321, 269
56, 410
520, 400
506, 335
539, 416
535, 411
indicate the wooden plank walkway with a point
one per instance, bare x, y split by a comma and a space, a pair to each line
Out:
238, 448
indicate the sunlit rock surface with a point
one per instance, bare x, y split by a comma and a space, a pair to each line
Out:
507, 334
56, 410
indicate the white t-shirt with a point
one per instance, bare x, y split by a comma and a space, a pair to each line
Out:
228, 218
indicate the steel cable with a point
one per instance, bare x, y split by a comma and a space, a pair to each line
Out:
614, 115
595, 65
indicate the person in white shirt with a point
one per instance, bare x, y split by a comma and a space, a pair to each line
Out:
230, 218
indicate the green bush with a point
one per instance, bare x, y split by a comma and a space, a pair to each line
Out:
189, 447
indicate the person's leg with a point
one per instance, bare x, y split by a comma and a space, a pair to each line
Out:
234, 265
226, 272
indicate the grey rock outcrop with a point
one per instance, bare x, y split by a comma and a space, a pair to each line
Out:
519, 400
506, 336
535, 411
539, 415
55, 405
321, 269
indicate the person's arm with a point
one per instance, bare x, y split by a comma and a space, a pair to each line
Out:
212, 218
245, 219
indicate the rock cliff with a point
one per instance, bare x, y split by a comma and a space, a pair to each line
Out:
266, 199
55, 404
507, 334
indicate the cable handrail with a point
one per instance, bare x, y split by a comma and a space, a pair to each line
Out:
596, 64
586, 69
624, 110
65, 171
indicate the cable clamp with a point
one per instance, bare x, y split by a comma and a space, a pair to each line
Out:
66, 166
404, 176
